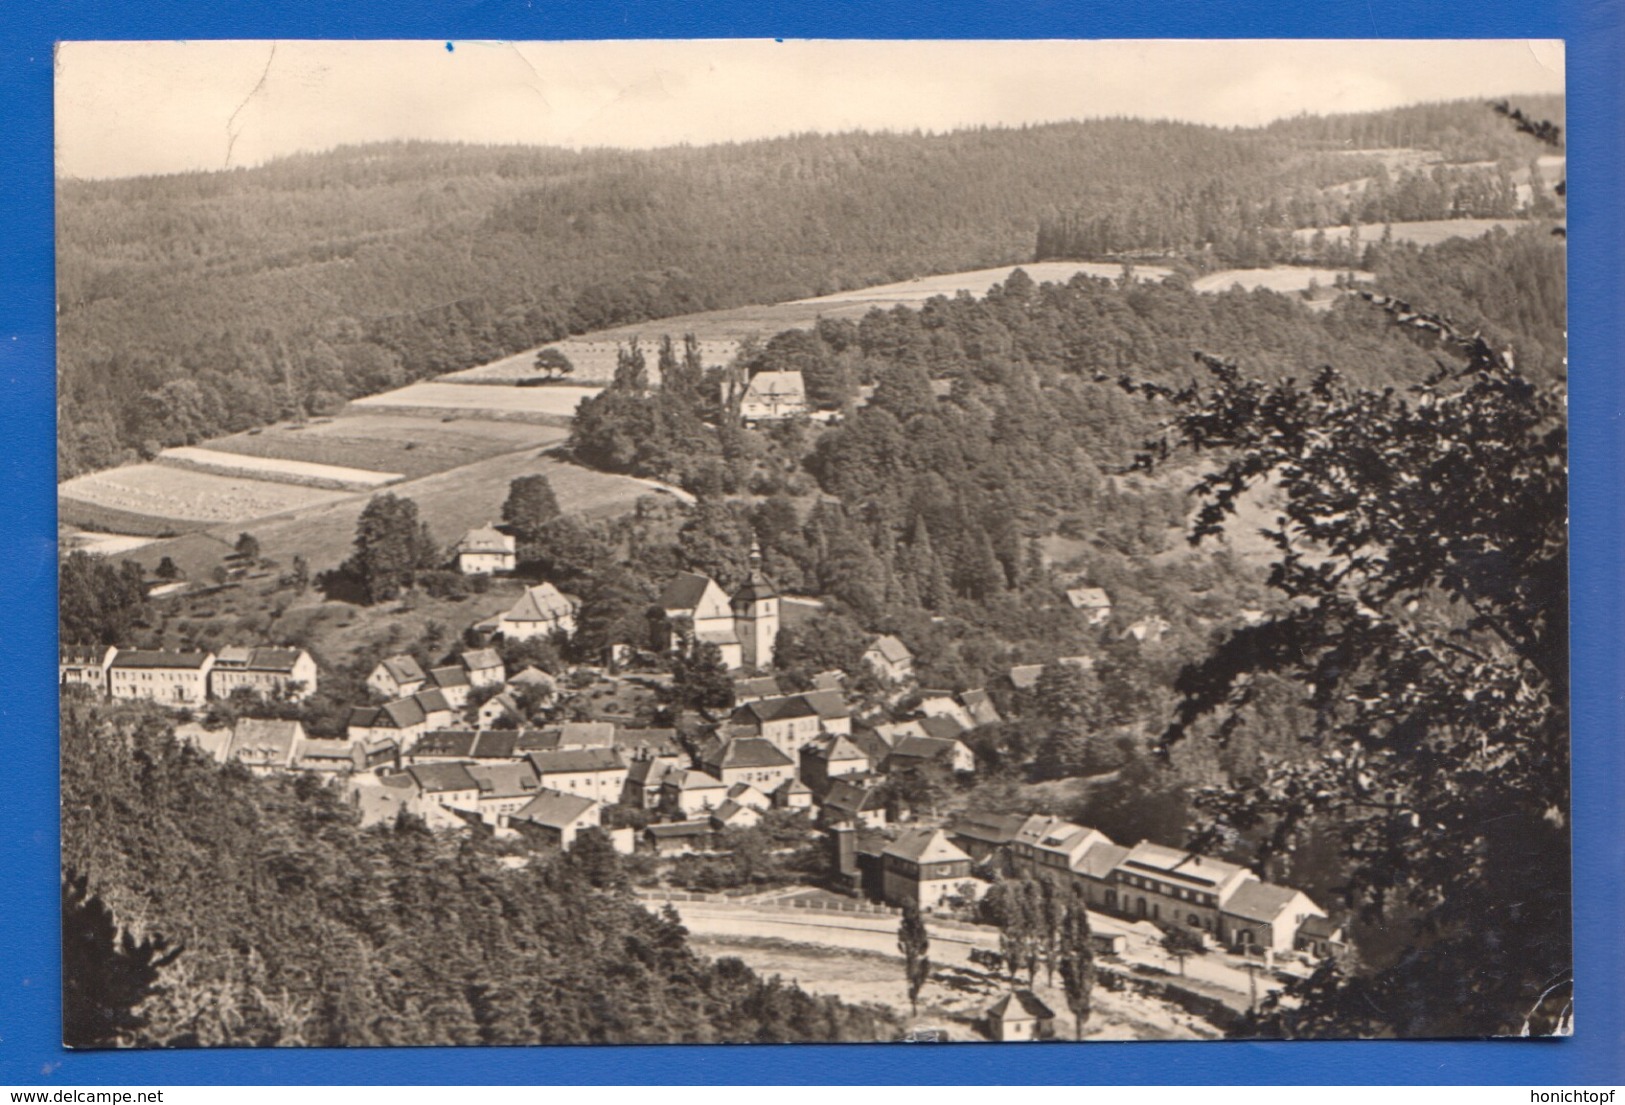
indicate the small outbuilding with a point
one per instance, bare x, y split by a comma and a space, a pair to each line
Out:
1020, 1016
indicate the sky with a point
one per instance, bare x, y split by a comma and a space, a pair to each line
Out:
125, 109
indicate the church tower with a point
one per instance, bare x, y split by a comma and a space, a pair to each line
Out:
756, 615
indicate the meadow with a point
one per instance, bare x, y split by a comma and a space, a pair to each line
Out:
277, 469
183, 495
490, 400
410, 444
1427, 232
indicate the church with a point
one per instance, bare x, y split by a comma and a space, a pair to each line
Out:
745, 626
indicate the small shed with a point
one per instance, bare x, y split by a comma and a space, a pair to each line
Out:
1020, 1016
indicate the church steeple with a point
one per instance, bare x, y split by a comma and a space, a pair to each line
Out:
756, 614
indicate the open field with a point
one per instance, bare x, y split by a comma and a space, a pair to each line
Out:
182, 495
491, 400
1429, 232
593, 358
276, 469
1281, 278
412, 445
976, 282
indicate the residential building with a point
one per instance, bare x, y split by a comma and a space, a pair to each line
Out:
85, 666
452, 683
556, 818
755, 688
1094, 872
644, 780
922, 867
1052, 848
691, 792
504, 789
648, 744
586, 734
264, 745
402, 721
747, 795
324, 757
212, 743
484, 667
397, 677
448, 797
834, 711
485, 550
533, 679
1019, 1015
1093, 602
1158, 883
980, 707
1320, 936
680, 838
948, 752
793, 794
596, 773
170, 678
829, 757
945, 705
1148, 629
541, 611
437, 712
855, 800
1263, 916
890, 660
735, 815
380, 799
1024, 677
773, 397
748, 760
500, 709
983, 835
787, 722
272, 672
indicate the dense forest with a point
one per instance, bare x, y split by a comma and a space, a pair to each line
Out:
206, 907
205, 303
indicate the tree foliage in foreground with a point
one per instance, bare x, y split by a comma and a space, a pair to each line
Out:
1423, 544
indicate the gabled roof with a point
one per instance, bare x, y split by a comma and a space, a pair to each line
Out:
832, 748
747, 752
1088, 598
508, 704
432, 701
531, 675
650, 773
641, 743
402, 669
1019, 1006
445, 742
684, 591
94, 655
792, 785
892, 650
871, 744
280, 660
925, 846
848, 797
728, 811
980, 707
757, 686
690, 779
403, 713
987, 828
587, 734
1146, 858
831, 680
1024, 677
774, 709
553, 809
1099, 861
160, 658
448, 677
776, 385
264, 740
495, 744
535, 740
439, 778
1320, 927
481, 659
486, 539
541, 603
514, 780
828, 704
942, 727
572, 760
318, 750
925, 748
677, 830
1260, 901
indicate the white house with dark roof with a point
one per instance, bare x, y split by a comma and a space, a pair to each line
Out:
980, 708
484, 667
85, 666
556, 818
1263, 916
890, 659
786, 722
169, 678
922, 867
485, 550
1171, 885
272, 672
644, 781
1020, 1015
854, 800
540, 612
948, 752
397, 676
1095, 604
501, 709
792, 794
447, 795
692, 792
504, 789
829, 757
402, 721
596, 773
452, 683
733, 814
773, 397
748, 760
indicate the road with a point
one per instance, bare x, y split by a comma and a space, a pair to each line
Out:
878, 933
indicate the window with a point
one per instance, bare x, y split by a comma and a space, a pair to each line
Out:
1195, 921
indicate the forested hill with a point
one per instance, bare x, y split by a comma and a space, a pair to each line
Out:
202, 303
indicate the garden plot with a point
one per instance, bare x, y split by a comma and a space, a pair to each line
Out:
186, 495
488, 400
278, 470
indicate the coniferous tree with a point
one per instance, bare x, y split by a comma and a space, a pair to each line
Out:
914, 941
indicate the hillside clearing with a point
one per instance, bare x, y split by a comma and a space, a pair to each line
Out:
411, 444
277, 470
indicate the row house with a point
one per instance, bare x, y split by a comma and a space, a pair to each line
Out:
1157, 883
596, 773
464, 744
271, 672
170, 678
1048, 847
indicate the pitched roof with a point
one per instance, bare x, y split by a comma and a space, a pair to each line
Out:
829, 680
445, 742
494, 744
942, 727
1099, 861
833, 747
259, 659
436, 778
1025, 676
727, 811
1319, 926
757, 686
553, 808
925, 748
1177, 863
645, 742
485, 539
83, 654
684, 591
535, 740
871, 744
319, 750
689, 778
792, 785
980, 707
1088, 598
159, 658
745, 752
432, 701
570, 760
531, 675
513, 780
479, 659
828, 704
1020, 1005
848, 797
587, 734
892, 650
774, 709
676, 830
776, 385
403, 713
1259, 901
264, 740
448, 677
988, 828
925, 846
650, 773
402, 669
541, 603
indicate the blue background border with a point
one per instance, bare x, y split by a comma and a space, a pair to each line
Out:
29, 972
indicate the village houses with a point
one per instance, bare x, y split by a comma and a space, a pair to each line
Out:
890, 660
486, 550
922, 867
265, 746
272, 672
396, 677
541, 611
555, 818
170, 678
596, 773
85, 666
484, 667
1095, 604
748, 760
787, 722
